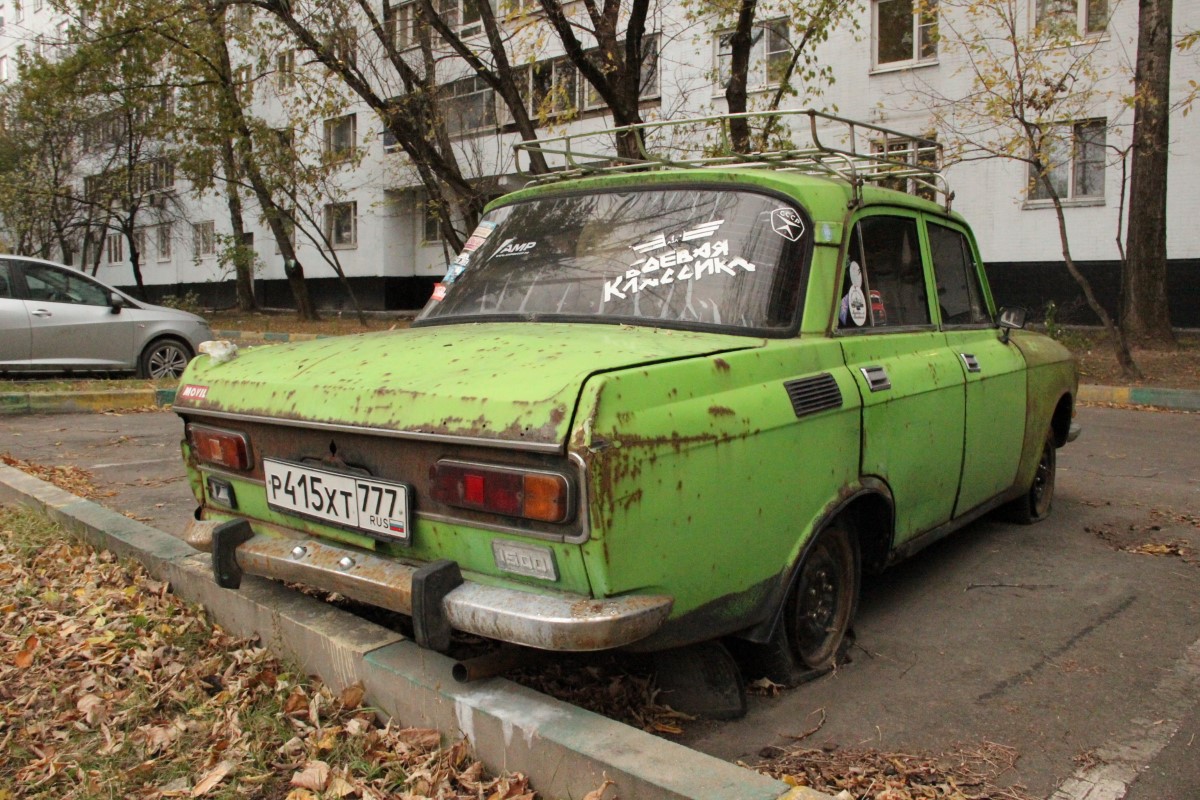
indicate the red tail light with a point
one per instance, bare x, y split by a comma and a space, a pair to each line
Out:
513, 492
219, 448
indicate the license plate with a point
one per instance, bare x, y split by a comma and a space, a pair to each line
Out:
378, 508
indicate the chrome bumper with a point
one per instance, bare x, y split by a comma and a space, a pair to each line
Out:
549, 622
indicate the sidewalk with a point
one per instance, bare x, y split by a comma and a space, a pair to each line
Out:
121, 399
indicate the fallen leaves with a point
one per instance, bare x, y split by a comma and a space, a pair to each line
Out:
110, 686
70, 478
867, 774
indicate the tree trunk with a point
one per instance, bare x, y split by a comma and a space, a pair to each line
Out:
243, 261
740, 42
1144, 307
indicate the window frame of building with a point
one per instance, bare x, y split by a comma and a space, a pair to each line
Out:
341, 225
285, 70
114, 248
398, 25
342, 44
18, 13
162, 242
431, 225
4, 69
243, 83
341, 137
460, 97
462, 16
1081, 161
920, 35
1087, 18
770, 53
204, 239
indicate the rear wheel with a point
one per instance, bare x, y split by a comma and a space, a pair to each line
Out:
814, 631
1034, 506
164, 358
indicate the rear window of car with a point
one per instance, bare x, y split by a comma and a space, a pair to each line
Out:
685, 257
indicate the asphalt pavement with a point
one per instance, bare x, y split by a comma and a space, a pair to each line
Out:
1076, 641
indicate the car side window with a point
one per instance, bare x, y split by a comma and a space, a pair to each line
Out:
53, 285
959, 294
883, 284
6, 290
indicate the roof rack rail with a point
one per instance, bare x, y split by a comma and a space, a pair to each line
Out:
857, 152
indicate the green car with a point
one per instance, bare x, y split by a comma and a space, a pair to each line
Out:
644, 409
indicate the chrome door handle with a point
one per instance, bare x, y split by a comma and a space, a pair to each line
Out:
970, 361
877, 378
40, 312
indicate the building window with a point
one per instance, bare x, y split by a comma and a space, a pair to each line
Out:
204, 239
398, 25
3, 69
462, 15
770, 54
162, 240
905, 31
139, 245
468, 105
243, 84
1074, 162
342, 44
340, 137
114, 246
431, 230
1089, 17
341, 225
18, 13
285, 70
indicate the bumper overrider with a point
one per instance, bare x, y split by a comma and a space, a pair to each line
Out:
434, 595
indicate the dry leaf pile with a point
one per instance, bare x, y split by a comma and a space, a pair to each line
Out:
865, 774
70, 478
110, 686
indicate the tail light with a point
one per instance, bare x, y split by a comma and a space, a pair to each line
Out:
228, 449
511, 491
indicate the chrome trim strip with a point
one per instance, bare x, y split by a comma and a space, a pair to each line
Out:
503, 444
550, 622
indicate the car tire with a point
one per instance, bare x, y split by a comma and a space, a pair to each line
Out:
164, 358
1034, 505
814, 630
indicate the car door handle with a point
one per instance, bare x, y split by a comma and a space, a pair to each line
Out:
970, 361
877, 378
41, 312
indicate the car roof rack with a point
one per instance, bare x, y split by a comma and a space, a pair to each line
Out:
856, 152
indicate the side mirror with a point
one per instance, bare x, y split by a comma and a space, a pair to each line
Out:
1013, 318
116, 302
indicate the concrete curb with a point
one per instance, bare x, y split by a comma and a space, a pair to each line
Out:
566, 751
258, 337
1177, 399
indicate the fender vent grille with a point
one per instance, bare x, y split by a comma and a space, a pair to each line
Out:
810, 395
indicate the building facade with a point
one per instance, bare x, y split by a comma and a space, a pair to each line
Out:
900, 66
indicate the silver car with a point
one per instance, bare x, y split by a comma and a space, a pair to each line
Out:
54, 318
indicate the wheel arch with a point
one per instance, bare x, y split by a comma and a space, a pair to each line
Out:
868, 507
156, 340
1060, 420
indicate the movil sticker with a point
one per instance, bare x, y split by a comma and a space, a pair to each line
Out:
192, 392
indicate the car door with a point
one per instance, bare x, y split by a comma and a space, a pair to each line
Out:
994, 370
910, 382
72, 324
14, 322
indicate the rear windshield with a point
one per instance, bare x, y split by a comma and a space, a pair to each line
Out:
665, 257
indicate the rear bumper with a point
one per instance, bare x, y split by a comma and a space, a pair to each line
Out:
549, 622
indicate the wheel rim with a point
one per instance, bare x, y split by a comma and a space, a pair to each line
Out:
167, 361
823, 603
1042, 491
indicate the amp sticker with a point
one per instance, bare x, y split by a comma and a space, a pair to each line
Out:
787, 223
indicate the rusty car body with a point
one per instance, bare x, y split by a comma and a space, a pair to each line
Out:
645, 408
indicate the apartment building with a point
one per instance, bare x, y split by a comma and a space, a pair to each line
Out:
891, 69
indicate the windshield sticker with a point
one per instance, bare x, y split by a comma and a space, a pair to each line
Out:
452, 273
193, 392
439, 291
482, 231
512, 247
787, 223
661, 241
854, 304
676, 266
